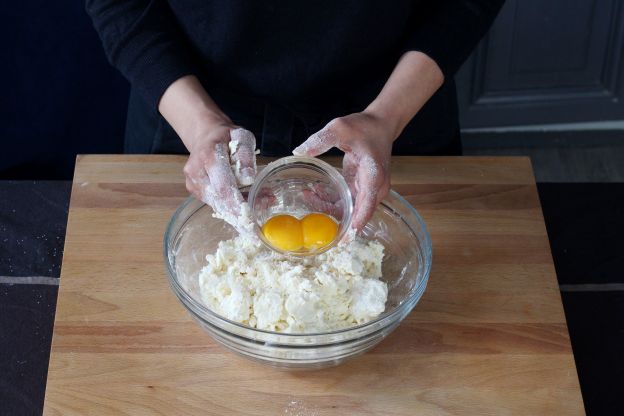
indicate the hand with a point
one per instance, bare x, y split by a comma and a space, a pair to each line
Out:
221, 158
220, 152
367, 142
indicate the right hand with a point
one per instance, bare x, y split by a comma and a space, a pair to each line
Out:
216, 154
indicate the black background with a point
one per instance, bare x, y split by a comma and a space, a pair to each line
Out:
60, 97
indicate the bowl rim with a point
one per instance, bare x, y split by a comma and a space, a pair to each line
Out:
414, 296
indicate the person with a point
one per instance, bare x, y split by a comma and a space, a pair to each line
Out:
218, 77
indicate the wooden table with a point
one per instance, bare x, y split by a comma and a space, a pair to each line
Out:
489, 336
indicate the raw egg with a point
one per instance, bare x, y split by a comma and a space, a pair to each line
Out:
318, 230
284, 231
288, 233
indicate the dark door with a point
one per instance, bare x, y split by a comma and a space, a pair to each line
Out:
554, 61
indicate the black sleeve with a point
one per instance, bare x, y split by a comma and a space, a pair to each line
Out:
141, 38
449, 30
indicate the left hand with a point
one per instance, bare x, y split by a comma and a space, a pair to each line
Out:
367, 142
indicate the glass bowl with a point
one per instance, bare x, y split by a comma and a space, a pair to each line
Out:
298, 186
193, 232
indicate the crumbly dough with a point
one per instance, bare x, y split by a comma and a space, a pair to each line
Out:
248, 283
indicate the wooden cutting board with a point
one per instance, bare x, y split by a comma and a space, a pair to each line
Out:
489, 336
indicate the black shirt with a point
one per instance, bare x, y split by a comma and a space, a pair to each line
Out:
314, 60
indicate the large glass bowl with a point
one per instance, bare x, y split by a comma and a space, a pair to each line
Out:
193, 232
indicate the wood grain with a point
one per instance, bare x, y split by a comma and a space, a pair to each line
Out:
489, 336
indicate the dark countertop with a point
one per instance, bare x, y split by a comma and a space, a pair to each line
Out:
585, 225
33, 217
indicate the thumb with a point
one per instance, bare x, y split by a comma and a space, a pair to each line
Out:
317, 144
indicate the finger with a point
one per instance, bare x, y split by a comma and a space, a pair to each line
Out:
365, 205
326, 193
265, 198
193, 188
195, 175
369, 183
243, 155
317, 144
317, 203
225, 195
349, 170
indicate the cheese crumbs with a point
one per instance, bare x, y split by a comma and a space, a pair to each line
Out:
250, 284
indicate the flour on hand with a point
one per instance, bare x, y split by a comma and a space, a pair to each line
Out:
242, 147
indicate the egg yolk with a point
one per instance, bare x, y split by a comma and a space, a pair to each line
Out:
284, 232
318, 230
291, 234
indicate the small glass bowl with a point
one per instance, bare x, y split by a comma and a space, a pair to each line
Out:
298, 186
